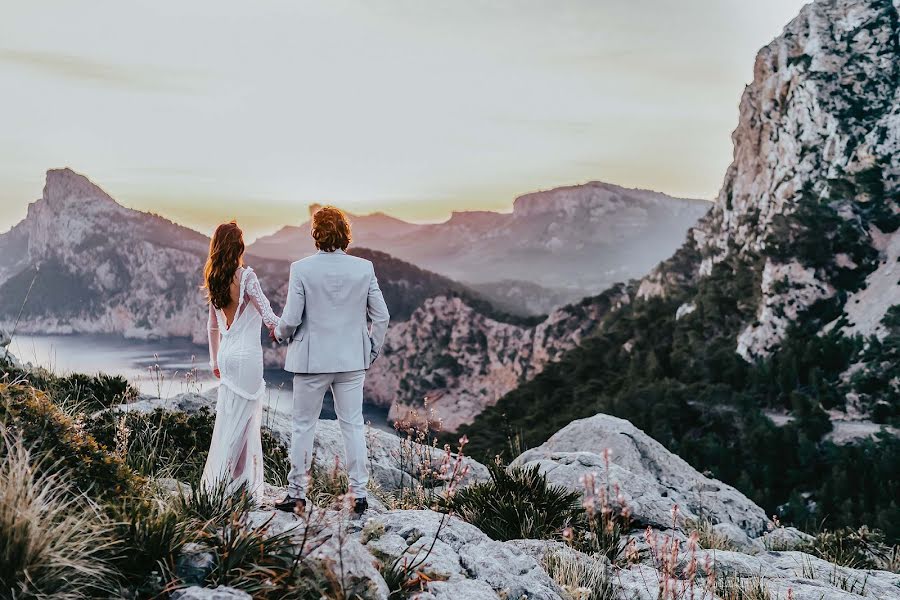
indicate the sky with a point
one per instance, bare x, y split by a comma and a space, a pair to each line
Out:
203, 111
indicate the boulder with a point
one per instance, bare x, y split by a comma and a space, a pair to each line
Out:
738, 538
169, 487
651, 479
809, 577
458, 589
220, 593
5, 355
189, 402
508, 570
785, 538
456, 553
194, 563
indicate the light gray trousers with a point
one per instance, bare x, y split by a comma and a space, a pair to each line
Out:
309, 391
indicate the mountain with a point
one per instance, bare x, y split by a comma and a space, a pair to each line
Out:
97, 266
103, 267
575, 241
784, 299
375, 230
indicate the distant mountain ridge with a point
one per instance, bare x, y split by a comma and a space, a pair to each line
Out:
575, 241
98, 266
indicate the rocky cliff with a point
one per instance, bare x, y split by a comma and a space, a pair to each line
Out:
811, 198
100, 267
449, 362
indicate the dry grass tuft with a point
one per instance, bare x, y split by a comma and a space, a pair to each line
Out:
53, 541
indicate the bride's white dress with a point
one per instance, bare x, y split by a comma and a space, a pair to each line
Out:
235, 453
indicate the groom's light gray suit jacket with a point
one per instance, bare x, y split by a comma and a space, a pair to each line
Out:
335, 316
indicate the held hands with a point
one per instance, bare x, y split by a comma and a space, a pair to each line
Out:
272, 334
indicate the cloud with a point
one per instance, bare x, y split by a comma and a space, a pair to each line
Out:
85, 70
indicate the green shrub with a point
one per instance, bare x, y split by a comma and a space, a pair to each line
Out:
62, 443
327, 485
707, 536
262, 563
860, 548
213, 506
276, 458
732, 587
75, 392
516, 503
175, 444
151, 536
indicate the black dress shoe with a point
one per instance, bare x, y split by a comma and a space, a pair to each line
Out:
360, 506
291, 504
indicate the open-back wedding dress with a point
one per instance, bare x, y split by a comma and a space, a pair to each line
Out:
235, 453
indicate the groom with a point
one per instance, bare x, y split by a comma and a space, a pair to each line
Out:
331, 297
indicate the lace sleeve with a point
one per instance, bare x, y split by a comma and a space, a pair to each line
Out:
253, 293
212, 328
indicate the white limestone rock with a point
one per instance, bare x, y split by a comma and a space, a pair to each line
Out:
652, 479
809, 577
461, 552
785, 538
220, 593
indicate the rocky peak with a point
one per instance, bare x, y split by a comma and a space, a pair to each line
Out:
64, 187
71, 210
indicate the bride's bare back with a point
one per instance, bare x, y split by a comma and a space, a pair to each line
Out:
230, 310
222, 320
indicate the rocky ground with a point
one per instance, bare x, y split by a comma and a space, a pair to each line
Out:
454, 560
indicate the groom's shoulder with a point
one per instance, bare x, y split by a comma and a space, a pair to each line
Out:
303, 263
361, 265
348, 260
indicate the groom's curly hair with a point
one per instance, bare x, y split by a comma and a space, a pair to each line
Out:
331, 229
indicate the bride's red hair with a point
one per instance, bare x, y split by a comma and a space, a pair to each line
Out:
226, 249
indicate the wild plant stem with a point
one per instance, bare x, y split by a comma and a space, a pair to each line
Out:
37, 271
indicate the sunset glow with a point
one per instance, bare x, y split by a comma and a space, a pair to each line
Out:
213, 110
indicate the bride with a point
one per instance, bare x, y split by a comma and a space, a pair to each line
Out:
237, 307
